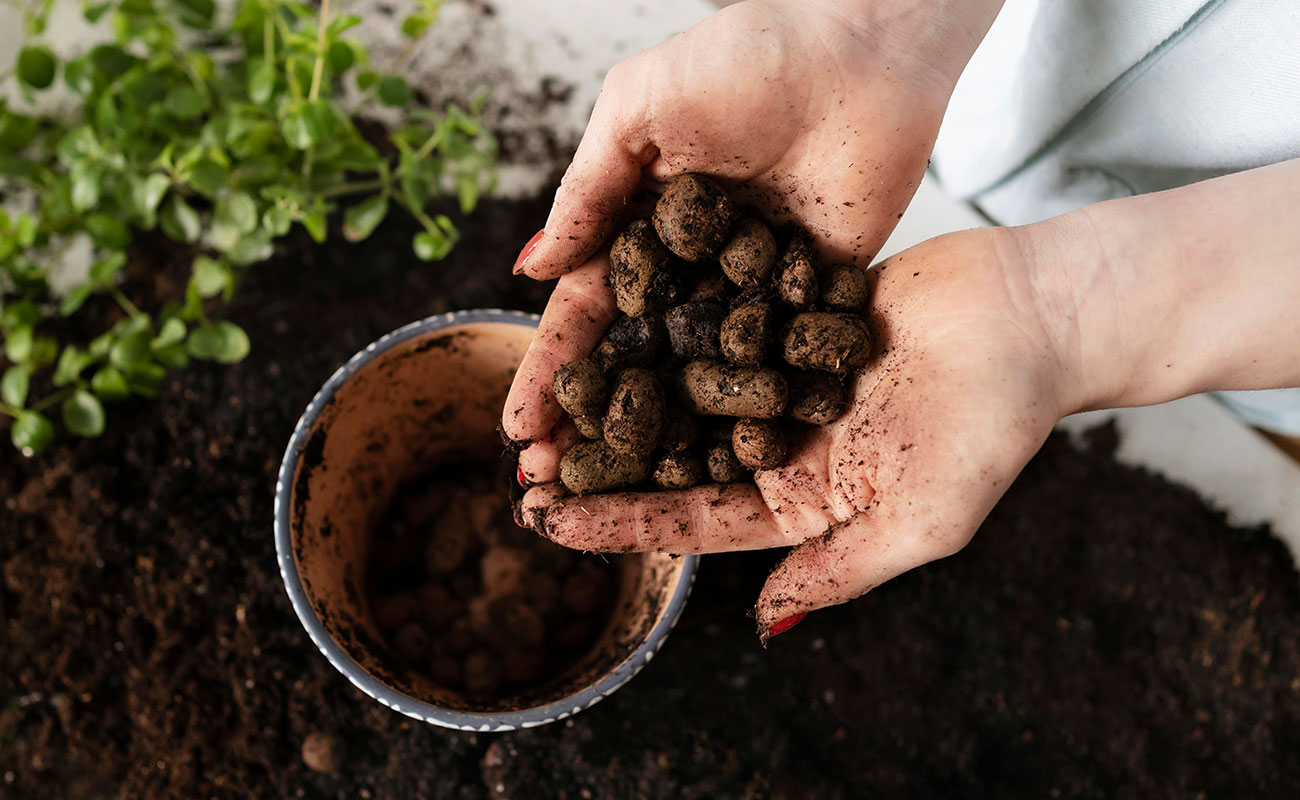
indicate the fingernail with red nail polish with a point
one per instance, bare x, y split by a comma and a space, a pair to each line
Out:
786, 624
521, 477
527, 251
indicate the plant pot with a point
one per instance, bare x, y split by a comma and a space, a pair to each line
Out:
422, 395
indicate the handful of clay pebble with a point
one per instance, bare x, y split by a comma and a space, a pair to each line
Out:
726, 342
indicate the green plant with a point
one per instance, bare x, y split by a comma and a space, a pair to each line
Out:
224, 135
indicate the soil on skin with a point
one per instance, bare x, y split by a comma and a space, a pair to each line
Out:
1119, 640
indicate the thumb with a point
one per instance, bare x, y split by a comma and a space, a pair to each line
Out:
850, 559
595, 189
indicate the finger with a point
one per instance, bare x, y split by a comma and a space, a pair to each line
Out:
579, 311
595, 189
540, 461
850, 560
706, 519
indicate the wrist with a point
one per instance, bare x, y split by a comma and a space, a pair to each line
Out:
1155, 297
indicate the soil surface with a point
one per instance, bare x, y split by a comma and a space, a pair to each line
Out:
1114, 641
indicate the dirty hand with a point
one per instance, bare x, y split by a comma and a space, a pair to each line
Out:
826, 110
985, 339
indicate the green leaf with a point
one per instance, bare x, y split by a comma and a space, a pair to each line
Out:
236, 209
172, 332
195, 13
299, 129
110, 384
173, 357
146, 194
314, 221
108, 232
208, 177
19, 313
83, 414
71, 363
18, 344
92, 12
130, 350
79, 75
277, 220
360, 220
261, 81
111, 60
75, 298
342, 23
426, 246
31, 433
87, 180
100, 345
251, 248
210, 277
185, 102
415, 25
36, 66
394, 91
179, 221
366, 79
104, 270
223, 342
341, 57
13, 386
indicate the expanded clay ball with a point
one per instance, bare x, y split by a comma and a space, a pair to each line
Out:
845, 287
629, 342
596, 467
677, 470
580, 388
748, 258
635, 419
723, 466
322, 752
746, 334
817, 398
796, 281
759, 443
694, 329
712, 388
693, 217
827, 341
640, 271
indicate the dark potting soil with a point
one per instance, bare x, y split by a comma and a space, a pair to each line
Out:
1105, 635
475, 602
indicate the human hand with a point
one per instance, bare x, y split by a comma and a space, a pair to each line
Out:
964, 390
984, 339
821, 111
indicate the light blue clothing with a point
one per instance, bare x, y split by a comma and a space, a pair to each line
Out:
1070, 102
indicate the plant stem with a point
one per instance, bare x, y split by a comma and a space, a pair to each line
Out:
52, 399
9, 410
320, 51
126, 304
353, 187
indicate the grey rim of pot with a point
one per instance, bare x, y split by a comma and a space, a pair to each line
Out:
339, 658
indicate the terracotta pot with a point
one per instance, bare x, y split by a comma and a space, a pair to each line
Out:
422, 395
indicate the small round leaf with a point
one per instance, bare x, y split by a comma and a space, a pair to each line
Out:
223, 342
13, 386
83, 414
36, 66
179, 221
110, 384
31, 433
394, 91
360, 220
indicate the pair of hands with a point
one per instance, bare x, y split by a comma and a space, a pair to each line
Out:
827, 117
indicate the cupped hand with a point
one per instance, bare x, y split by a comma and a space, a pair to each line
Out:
813, 116
965, 385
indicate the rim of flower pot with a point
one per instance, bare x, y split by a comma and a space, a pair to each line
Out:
415, 708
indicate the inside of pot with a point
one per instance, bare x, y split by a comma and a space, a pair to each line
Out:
432, 400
